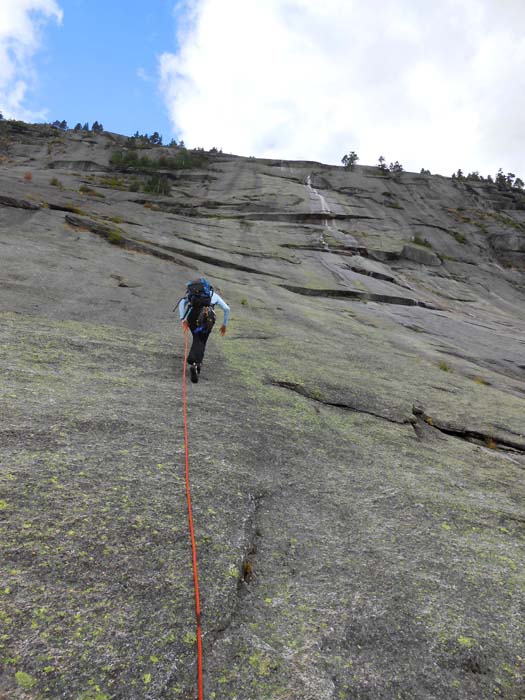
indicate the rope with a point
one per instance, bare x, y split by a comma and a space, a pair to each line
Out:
192, 532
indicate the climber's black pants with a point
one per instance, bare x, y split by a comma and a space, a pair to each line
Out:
196, 353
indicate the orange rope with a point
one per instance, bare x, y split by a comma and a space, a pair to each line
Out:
192, 532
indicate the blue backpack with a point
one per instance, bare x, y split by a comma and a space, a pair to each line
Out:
199, 293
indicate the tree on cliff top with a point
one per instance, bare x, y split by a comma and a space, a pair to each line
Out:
349, 160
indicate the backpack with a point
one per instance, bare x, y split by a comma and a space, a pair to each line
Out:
205, 320
199, 293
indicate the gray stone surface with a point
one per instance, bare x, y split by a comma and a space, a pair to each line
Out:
357, 439
420, 255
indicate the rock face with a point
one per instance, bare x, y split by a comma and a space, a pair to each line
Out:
357, 440
420, 255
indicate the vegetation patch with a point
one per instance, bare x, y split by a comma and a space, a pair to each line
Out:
508, 221
115, 183
422, 241
460, 237
115, 237
85, 189
183, 160
24, 680
66, 207
158, 184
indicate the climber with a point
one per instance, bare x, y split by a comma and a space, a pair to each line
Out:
197, 314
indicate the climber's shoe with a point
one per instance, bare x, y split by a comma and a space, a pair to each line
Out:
194, 371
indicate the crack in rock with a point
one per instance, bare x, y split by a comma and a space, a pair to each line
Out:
314, 395
246, 567
250, 254
120, 240
362, 296
335, 249
82, 165
384, 255
253, 337
70, 208
245, 212
418, 222
211, 260
17, 203
491, 440
372, 273
377, 275
305, 217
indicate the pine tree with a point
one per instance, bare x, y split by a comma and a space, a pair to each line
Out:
381, 164
350, 160
501, 180
510, 177
396, 167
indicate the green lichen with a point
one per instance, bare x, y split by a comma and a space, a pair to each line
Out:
466, 642
24, 680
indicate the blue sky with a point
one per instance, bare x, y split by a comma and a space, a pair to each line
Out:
88, 66
434, 85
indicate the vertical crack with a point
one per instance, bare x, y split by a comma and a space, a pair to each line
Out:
246, 565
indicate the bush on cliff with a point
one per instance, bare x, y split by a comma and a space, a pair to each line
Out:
158, 184
182, 160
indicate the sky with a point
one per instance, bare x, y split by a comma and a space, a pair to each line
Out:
435, 84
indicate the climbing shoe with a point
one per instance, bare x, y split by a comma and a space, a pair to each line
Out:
194, 371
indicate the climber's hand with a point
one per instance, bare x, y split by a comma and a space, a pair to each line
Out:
222, 330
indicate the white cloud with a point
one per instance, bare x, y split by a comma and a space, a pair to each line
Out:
20, 26
434, 85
